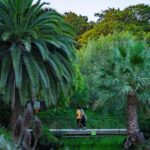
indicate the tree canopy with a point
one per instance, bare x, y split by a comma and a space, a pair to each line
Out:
98, 53
134, 19
36, 51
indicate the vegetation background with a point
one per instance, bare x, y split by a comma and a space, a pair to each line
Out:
94, 49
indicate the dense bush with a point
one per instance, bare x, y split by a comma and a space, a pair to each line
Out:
5, 144
79, 94
145, 127
6, 133
91, 58
47, 140
4, 114
66, 118
134, 19
5, 140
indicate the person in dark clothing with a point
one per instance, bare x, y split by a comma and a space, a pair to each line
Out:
83, 119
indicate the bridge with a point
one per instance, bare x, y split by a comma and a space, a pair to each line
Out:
87, 132
102, 126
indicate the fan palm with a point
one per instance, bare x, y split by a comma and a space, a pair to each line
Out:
125, 75
36, 50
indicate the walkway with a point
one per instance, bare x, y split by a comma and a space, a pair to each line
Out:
88, 132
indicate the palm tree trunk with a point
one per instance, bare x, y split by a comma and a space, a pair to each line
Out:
135, 137
16, 110
132, 120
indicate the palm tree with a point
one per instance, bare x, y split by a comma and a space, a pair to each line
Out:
36, 51
125, 75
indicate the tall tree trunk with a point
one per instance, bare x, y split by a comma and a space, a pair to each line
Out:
132, 120
135, 137
17, 109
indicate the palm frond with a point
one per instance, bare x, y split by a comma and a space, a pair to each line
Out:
24, 89
32, 72
5, 69
16, 60
42, 47
40, 50
125, 72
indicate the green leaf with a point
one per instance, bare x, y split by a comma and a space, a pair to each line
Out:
32, 71
6, 65
17, 65
6, 36
42, 47
24, 89
26, 29
27, 44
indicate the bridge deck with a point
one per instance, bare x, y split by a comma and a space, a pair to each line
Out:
87, 132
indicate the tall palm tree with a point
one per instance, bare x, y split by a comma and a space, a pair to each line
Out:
36, 51
125, 75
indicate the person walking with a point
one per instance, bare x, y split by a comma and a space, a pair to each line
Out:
78, 117
83, 119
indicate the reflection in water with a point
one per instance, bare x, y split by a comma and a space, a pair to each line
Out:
106, 147
103, 143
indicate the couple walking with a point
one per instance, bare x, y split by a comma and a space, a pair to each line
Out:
81, 118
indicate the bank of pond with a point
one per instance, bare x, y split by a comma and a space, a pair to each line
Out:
114, 142
89, 143
66, 119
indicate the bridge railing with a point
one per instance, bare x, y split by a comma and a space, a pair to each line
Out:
102, 122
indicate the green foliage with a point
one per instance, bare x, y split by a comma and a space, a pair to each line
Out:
144, 118
66, 118
6, 140
78, 94
63, 100
144, 124
79, 91
147, 37
5, 144
4, 114
6, 133
36, 51
56, 118
80, 23
90, 59
125, 71
103, 54
134, 19
47, 138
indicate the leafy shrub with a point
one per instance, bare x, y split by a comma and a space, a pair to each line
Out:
145, 127
6, 144
80, 90
5, 133
5, 140
47, 139
65, 118
4, 113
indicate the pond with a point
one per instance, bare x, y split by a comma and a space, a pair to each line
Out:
94, 143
